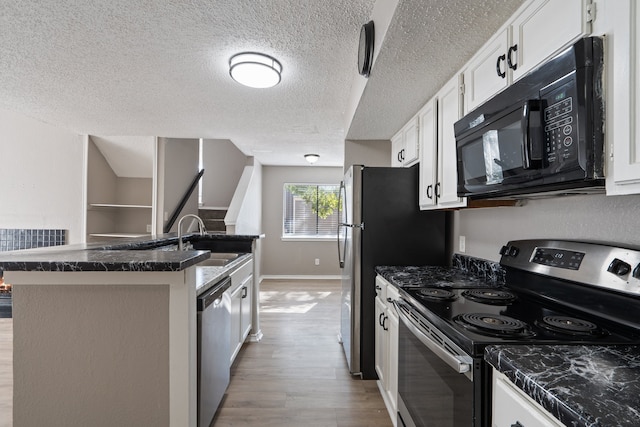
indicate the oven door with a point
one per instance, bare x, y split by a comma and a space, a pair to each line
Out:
435, 377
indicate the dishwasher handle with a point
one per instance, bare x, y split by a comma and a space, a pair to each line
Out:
213, 294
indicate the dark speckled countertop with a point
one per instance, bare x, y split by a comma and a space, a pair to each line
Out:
592, 386
123, 255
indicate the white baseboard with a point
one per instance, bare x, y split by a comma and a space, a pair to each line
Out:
300, 277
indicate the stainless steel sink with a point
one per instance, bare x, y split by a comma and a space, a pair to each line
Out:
218, 259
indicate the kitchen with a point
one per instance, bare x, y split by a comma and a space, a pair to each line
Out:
589, 217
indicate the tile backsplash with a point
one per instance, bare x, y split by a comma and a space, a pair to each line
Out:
13, 239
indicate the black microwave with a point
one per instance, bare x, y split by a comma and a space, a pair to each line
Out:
541, 135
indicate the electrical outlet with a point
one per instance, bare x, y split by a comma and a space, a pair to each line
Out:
317, 261
148, 228
462, 243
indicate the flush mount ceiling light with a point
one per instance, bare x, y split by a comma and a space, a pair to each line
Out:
255, 70
312, 158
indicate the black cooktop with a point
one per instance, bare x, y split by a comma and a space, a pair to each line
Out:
476, 317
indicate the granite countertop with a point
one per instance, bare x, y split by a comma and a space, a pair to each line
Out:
593, 386
465, 272
123, 255
207, 277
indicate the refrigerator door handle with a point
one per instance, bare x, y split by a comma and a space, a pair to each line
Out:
341, 200
360, 226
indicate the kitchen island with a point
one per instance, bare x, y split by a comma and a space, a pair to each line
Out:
105, 334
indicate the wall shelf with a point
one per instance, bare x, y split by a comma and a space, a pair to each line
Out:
118, 205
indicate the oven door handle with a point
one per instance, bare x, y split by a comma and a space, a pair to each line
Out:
455, 362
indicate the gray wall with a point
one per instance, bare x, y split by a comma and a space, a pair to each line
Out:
223, 165
294, 258
588, 217
368, 153
178, 166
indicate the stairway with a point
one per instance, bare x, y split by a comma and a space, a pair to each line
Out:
213, 219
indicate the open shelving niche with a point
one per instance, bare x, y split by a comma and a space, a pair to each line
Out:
119, 205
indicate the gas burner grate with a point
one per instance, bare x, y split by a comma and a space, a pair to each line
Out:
494, 325
436, 294
489, 296
571, 326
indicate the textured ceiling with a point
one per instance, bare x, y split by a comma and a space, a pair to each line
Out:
160, 68
426, 43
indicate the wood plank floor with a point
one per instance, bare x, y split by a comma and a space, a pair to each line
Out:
297, 375
6, 372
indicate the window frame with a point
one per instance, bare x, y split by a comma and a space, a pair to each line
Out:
306, 238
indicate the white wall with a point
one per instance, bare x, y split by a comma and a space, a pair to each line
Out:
294, 258
613, 219
41, 176
223, 165
249, 215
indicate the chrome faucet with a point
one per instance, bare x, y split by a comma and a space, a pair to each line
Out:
203, 231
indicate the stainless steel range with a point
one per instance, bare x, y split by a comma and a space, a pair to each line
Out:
555, 292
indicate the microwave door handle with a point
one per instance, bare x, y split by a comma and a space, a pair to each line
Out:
532, 147
460, 366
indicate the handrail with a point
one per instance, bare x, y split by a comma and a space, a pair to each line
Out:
183, 201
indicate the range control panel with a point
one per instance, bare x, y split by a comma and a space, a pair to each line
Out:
559, 258
599, 265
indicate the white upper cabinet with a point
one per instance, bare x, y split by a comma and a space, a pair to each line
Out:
438, 169
487, 73
537, 31
544, 28
404, 145
428, 118
618, 21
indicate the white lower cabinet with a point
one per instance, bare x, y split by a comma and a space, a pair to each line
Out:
512, 407
387, 345
241, 292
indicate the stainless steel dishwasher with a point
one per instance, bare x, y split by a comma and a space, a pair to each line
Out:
214, 337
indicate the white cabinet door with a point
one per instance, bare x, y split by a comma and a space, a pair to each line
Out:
545, 27
392, 356
236, 310
487, 73
381, 341
410, 135
512, 407
404, 145
245, 309
449, 111
622, 132
397, 150
428, 154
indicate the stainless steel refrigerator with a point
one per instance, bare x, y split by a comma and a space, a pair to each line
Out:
380, 224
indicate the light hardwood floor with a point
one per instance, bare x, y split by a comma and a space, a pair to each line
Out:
6, 372
297, 375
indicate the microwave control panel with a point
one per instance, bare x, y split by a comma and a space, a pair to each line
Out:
560, 129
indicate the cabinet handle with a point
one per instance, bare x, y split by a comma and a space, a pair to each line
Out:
437, 190
501, 73
402, 154
510, 63
429, 191
244, 292
384, 323
517, 424
380, 321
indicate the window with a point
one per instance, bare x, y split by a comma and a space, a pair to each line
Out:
311, 210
